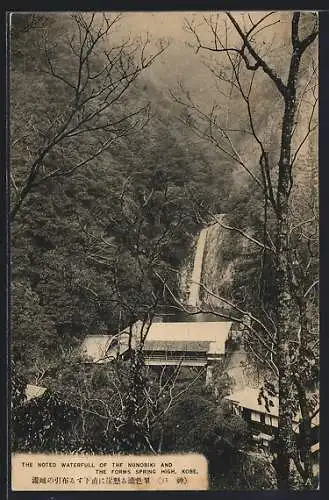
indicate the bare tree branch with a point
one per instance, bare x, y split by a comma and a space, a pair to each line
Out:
259, 61
90, 99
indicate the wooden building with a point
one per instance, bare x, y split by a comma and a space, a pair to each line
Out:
188, 344
263, 419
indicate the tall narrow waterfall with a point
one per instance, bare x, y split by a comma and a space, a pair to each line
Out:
211, 269
197, 269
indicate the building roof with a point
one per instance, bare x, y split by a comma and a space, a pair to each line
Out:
215, 333
208, 336
248, 398
34, 391
176, 346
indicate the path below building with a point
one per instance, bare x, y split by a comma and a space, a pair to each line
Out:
241, 372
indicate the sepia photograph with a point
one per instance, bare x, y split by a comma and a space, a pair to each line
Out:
164, 250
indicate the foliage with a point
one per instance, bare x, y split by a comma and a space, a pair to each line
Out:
250, 471
107, 193
284, 267
44, 425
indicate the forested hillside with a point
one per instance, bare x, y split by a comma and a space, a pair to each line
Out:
144, 189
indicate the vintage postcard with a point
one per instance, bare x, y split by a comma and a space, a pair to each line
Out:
164, 223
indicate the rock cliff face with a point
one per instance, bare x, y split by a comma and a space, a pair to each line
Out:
217, 271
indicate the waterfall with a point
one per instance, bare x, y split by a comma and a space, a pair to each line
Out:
201, 254
211, 269
197, 268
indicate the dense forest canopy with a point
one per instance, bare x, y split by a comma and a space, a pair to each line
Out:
147, 181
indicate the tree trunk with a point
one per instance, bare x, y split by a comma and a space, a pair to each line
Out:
305, 438
284, 306
284, 298
305, 427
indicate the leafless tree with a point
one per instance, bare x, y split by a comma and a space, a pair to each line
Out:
91, 75
132, 398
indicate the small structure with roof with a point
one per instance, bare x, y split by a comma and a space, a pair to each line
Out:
34, 391
263, 417
166, 344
